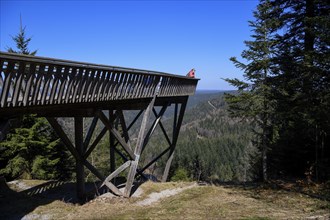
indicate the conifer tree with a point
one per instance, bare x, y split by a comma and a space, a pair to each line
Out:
33, 150
302, 85
287, 86
254, 99
22, 42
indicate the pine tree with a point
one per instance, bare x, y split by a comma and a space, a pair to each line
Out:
33, 150
22, 42
303, 85
254, 99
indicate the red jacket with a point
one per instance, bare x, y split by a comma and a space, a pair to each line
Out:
191, 73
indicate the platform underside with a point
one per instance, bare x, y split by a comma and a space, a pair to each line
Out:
87, 109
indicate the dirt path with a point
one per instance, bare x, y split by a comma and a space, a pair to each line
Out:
154, 197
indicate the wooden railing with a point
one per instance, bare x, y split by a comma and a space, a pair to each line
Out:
32, 81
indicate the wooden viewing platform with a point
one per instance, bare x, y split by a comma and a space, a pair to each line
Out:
54, 88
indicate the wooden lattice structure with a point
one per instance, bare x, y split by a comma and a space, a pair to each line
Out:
55, 88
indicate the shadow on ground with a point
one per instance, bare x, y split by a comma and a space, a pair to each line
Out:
15, 205
313, 190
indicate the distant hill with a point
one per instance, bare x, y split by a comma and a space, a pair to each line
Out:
204, 95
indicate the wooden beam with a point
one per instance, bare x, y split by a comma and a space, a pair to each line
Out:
135, 119
112, 145
95, 142
171, 154
116, 172
124, 127
175, 119
59, 131
165, 134
80, 175
138, 148
107, 123
153, 126
90, 132
128, 128
112, 187
154, 160
176, 131
121, 155
93, 170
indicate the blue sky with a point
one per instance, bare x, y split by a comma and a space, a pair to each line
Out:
167, 36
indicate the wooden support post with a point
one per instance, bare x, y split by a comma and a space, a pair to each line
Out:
81, 159
138, 148
116, 172
78, 127
176, 131
112, 145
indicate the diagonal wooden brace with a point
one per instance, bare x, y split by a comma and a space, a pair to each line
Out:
58, 129
90, 132
122, 141
138, 148
116, 172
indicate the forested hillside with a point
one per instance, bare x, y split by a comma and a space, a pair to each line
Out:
211, 145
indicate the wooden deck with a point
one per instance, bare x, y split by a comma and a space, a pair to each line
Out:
29, 83
60, 88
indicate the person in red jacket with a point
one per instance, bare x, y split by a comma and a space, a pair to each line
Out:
191, 73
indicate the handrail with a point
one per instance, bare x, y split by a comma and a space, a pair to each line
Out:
35, 81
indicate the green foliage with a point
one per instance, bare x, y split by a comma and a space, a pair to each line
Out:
303, 83
180, 174
254, 100
22, 43
286, 87
33, 151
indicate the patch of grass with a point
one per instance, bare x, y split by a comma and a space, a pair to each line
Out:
198, 202
150, 187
